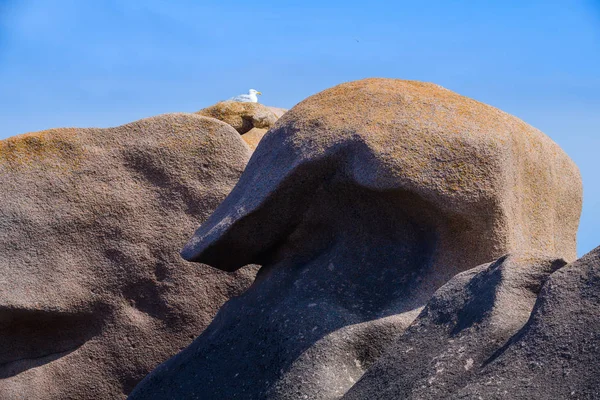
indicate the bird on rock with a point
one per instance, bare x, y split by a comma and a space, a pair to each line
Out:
251, 97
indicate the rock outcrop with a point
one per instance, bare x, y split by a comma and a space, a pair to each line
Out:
93, 292
555, 355
461, 348
359, 204
461, 329
251, 120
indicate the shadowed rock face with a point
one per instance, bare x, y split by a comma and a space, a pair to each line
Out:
556, 353
461, 348
309, 305
93, 292
359, 204
462, 327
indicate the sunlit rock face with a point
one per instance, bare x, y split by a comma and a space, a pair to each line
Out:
359, 204
251, 120
93, 293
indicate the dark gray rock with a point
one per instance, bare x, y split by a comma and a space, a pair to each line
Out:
459, 331
323, 306
556, 354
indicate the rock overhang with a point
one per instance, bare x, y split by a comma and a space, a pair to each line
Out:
486, 170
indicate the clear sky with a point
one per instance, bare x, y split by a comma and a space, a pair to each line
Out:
107, 62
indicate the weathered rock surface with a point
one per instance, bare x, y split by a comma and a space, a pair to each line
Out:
459, 347
460, 329
93, 292
555, 356
359, 204
251, 120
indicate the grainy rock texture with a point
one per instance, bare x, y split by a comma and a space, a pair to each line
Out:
555, 356
251, 120
499, 181
360, 203
93, 292
462, 327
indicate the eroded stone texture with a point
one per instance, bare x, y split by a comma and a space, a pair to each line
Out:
466, 344
555, 355
462, 327
93, 292
360, 203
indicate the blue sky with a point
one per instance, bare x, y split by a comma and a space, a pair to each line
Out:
104, 63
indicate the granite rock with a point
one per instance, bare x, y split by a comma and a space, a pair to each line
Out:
359, 204
94, 294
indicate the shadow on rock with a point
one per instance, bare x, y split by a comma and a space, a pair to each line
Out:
359, 204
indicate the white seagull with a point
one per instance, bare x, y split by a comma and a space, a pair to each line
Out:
247, 98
